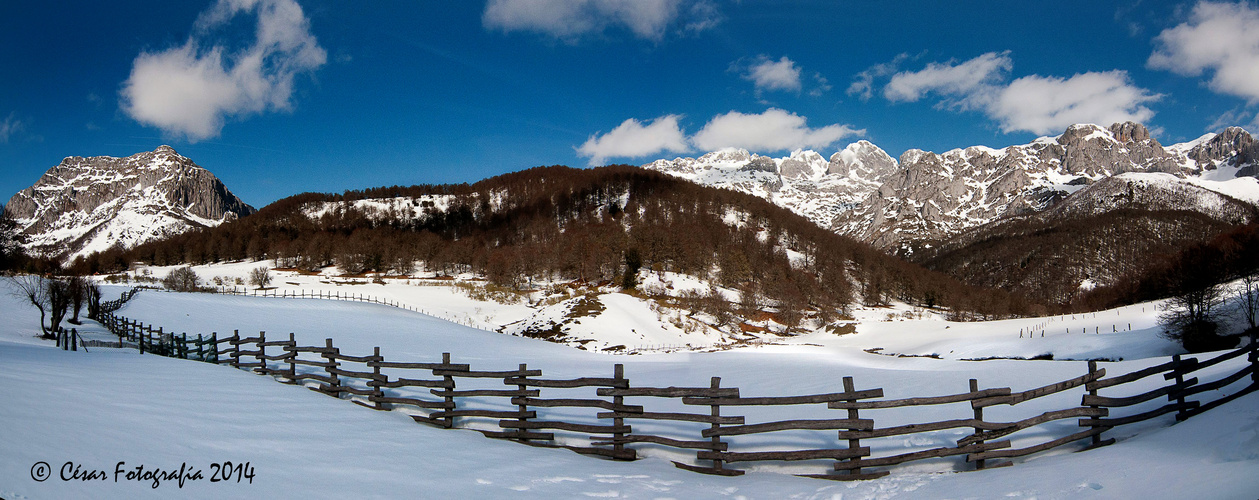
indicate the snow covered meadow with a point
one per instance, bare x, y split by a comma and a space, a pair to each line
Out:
108, 411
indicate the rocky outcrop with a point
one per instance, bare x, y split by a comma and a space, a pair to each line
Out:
84, 205
804, 182
936, 196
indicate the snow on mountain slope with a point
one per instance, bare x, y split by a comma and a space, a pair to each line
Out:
1161, 191
86, 205
923, 196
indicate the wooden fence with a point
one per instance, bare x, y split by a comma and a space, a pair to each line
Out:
448, 394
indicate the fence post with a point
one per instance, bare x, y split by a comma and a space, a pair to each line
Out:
1254, 356
200, 356
331, 355
139, 338
522, 408
183, 345
716, 412
450, 400
74, 339
377, 379
292, 355
1180, 379
262, 353
979, 415
853, 444
618, 438
1097, 438
235, 349
161, 339
214, 344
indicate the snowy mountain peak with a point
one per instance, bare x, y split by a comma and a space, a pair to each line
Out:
89, 204
862, 159
865, 193
728, 155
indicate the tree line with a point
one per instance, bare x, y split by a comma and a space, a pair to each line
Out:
1193, 280
556, 223
1047, 259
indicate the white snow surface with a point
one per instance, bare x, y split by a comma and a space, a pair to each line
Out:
96, 409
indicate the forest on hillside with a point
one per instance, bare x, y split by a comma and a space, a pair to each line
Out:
599, 225
1058, 260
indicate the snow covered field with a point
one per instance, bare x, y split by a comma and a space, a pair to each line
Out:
96, 409
645, 326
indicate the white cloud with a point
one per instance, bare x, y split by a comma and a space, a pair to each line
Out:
1221, 37
863, 82
190, 90
959, 82
768, 74
773, 130
10, 126
633, 139
572, 19
1033, 103
1232, 119
1044, 105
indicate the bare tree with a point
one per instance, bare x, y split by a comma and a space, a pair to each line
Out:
183, 279
78, 294
32, 289
60, 296
93, 292
1248, 299
260, 277
1189, 317
50, 296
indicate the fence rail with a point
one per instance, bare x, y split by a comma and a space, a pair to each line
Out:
596, 415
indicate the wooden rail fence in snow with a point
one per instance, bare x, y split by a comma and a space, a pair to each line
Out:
563, 413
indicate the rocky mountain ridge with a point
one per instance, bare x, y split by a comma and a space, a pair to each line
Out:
923, 197
86, 205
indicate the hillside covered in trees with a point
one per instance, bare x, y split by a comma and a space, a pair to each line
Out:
1058, 261
601, 225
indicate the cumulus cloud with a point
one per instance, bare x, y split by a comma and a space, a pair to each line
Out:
773, 130
572, 19
1033, 103
1044, 105
191, 90
962, 82
633, 139
768, 74
1222, 38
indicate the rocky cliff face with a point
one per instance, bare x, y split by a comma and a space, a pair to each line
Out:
925, 197
87, 205
805, 182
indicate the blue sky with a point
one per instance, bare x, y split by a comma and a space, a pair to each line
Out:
278, 97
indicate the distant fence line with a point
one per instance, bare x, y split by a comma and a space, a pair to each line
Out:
523, 415
326, 295
367, 298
